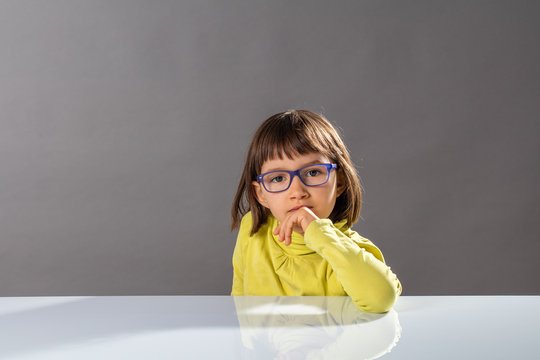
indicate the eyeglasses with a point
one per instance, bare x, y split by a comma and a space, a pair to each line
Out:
312, 175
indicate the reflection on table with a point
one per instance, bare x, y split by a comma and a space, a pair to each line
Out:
313, 328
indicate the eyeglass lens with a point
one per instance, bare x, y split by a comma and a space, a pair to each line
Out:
280, 180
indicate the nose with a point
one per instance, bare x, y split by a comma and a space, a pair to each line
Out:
297, 190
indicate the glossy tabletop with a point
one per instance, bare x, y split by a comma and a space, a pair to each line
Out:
224, 327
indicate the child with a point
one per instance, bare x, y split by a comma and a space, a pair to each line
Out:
298, 196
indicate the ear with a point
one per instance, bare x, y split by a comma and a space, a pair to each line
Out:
259, 193
341, 183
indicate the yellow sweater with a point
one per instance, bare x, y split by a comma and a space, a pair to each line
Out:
328, 260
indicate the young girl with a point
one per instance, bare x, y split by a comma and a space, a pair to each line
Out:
298, 196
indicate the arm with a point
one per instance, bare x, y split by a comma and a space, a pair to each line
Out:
238, 256
358, 263
238, 278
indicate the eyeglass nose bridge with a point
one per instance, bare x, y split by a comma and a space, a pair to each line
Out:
293, 174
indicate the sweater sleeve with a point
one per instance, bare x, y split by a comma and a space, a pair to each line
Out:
358, 263
238, 273
238, 256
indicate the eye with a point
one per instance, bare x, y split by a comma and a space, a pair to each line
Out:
313, 172
278, 178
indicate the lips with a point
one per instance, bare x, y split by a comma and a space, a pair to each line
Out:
300, 206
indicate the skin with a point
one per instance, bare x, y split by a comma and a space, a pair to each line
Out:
299, 205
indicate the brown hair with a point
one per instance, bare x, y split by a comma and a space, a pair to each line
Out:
290, 133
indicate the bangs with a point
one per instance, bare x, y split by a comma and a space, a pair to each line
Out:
291, 145
290, 136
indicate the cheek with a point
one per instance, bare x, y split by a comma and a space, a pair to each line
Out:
329, 192
330, 199
274, 203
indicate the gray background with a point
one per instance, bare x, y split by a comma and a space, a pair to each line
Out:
124, 126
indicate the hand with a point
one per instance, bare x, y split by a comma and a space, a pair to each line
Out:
298, 221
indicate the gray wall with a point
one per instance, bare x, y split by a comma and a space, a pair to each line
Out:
124, 125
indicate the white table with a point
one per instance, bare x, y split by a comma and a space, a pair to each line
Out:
224, 327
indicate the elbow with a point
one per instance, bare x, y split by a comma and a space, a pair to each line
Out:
382, 300
385, 302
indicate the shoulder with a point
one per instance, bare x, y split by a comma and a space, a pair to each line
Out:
359, 239
246, 241
247, 220
246, 224
245, 228
347, 230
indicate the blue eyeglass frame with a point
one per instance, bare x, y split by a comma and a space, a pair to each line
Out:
294, 173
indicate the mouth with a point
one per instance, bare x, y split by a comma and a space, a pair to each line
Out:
300, 206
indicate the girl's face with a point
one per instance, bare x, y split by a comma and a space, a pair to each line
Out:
320, 199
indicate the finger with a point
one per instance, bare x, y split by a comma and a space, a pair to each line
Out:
283, 231
279, 231
289, 230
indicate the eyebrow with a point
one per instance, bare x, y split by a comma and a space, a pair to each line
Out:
318, 161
